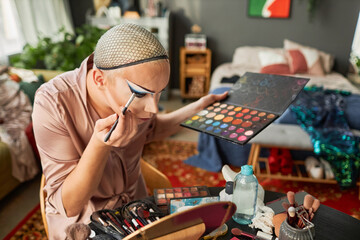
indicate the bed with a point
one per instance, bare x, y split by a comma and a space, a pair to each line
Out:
294, 59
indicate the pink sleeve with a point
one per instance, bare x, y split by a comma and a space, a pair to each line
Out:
57, 152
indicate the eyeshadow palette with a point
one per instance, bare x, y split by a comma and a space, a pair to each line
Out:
163, 195
254, 102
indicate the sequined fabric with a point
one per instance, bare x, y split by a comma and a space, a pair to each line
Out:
321, 113
125, 45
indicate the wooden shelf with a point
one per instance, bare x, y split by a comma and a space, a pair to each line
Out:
195, 67
262, 169
298, 173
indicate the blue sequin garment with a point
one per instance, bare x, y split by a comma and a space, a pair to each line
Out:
321, 114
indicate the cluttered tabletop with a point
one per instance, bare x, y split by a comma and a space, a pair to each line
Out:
240, 210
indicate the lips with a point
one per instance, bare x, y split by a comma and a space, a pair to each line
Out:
144, 119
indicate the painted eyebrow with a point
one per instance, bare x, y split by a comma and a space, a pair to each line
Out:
147, 90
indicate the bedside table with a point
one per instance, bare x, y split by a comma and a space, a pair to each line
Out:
195, 66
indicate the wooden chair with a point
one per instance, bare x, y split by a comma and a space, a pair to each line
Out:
42, 204
153, 179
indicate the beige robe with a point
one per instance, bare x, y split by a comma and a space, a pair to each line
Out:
63, 124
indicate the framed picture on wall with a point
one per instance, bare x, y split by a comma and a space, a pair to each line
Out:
269, 8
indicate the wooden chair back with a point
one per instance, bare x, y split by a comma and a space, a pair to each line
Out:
153, 177
42, 204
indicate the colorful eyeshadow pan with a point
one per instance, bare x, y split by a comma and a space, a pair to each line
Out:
231, 128
240, 130
259, 98
255, 119
237, 121
217, 130
211, 115
228, 119
224, 111
163, 196
219, 117
233, 135
249, 133
253, 112
195, 118
216, 124
203, 113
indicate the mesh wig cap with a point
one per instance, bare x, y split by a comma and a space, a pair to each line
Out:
126, 45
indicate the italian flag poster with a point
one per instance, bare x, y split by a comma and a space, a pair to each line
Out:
269, 8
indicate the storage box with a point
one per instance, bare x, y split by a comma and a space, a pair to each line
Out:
195, 41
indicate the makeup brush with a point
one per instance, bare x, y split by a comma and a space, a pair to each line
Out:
314, 208
97, 218
239, 232
292, 216
138, 92
308, 202
117, 119
291, 198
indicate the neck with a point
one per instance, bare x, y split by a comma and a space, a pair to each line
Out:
96, 97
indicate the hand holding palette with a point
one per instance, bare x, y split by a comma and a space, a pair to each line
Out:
253, 103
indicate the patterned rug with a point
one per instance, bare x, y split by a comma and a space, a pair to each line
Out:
168, 157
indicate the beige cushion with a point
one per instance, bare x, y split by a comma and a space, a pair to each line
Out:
327, 59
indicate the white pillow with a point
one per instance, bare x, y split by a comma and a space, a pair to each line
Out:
248, 56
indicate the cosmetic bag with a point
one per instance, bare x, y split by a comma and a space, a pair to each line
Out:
189, 224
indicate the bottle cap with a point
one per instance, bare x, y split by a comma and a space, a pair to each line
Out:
229, 187
246, 170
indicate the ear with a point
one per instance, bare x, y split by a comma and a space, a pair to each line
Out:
98, 78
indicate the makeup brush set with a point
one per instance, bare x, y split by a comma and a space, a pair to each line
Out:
125, 220
142, 219
298, 218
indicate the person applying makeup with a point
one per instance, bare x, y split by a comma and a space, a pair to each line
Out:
92, 123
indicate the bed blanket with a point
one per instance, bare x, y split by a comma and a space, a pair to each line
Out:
321, 113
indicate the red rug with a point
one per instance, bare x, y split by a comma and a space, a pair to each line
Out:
168, 157
30, 228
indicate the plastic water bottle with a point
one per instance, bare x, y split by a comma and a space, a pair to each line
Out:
245, 195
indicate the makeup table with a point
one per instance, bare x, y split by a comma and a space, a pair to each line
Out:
329, 222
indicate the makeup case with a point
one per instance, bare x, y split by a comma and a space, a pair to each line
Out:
253, 102
188, 224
